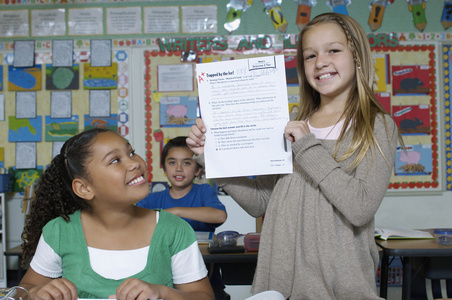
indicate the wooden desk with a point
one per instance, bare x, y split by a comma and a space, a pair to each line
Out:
406, 249
232, 263
236, 268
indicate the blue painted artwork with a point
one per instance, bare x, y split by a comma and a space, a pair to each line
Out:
416, 160
178, 111
25, 130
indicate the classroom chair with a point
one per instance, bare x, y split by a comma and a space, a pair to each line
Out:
433, 276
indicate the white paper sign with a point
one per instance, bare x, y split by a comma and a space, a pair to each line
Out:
124, 20
199, 19
14, 23
161, 19
48, 22
245, 109
85, 21
175, 78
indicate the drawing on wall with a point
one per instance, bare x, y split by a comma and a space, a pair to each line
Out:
23, 178
178, 111
110, 122
381, 77
25, 130
24, 79
411, 79
60, 129
385, 100
294, 103
62, 78
291, 70
412, 119
416, 160
100, 77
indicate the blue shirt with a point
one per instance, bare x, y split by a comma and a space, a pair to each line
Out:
199, 196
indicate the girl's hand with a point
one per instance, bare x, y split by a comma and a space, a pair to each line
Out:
133, 288
56, 289
196, 138
295, 130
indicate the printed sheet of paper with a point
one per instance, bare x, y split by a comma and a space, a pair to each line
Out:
245, 109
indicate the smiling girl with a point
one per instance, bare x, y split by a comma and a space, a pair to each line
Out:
317, 240
87, 239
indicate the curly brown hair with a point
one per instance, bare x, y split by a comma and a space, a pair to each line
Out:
54, 194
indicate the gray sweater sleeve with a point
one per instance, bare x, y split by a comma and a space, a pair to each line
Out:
251, 194
357, 194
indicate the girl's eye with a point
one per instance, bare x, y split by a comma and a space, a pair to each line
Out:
114, 161
308, 57
132, 153
335, 50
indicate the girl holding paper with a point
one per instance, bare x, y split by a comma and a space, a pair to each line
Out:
317, 238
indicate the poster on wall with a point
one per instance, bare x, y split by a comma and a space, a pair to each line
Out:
178, 111
161, 19
48, 22
14, 23
24, 79
85, 21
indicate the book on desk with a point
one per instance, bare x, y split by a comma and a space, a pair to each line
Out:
385, 233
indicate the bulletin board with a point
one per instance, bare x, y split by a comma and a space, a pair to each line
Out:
407, 81
447, 63
45, 134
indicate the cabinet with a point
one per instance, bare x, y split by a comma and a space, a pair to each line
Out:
3, 282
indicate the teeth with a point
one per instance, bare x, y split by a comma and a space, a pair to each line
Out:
136, 180
325, 76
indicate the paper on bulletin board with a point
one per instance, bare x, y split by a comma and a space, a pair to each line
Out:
161, 19
244, 106
85, 21
199, 19
48, 22
14, 23
124, 20
175, 78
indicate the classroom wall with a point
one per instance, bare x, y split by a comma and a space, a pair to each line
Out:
415, 209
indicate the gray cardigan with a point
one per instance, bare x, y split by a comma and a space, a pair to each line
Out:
317, 238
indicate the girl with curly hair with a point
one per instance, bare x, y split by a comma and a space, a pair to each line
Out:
87, 239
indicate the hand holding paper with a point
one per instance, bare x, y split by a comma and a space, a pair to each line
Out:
244, 107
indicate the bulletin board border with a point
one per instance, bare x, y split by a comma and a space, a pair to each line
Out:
447, 52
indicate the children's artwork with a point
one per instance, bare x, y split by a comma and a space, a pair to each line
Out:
100, 77
291, 70
2, 157
100, 53
382, 77
23, 178
62, 78
24, 79
110, 122
385, 101
99, 103
60, 129
26, 105
62, 53
294, 104
26, 155
1, 77
415, 160
25, 130
411, 79
412, 119
178, 111
61, 104
24, 53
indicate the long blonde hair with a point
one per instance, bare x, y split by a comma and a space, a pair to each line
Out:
362, 106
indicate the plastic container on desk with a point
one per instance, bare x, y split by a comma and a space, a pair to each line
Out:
252, 241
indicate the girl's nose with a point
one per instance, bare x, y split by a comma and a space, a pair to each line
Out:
322, 61
134, 164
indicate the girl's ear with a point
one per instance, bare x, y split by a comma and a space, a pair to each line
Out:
82, 189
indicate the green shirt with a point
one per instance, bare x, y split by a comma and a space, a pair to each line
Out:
171, 236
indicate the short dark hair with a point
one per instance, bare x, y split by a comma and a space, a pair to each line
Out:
177, 142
